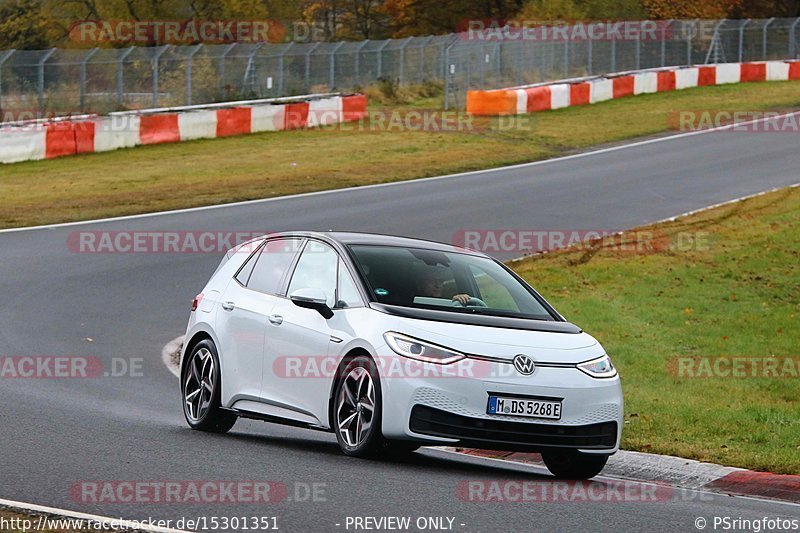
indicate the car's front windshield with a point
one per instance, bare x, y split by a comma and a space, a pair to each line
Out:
445, 281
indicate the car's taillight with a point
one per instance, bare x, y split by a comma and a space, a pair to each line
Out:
196, 302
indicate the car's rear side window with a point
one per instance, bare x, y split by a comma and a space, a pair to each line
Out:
272, 264
244, 273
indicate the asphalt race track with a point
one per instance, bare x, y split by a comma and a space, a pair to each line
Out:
59, 432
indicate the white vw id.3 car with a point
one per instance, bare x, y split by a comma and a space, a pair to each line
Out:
394, 343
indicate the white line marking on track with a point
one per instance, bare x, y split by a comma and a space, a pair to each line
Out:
405, 182
106, 521
676, 217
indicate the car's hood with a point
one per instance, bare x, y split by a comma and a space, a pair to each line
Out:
501, 343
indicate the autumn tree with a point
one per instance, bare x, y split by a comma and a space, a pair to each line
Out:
424, 17
691, 9
21, 26
768, 8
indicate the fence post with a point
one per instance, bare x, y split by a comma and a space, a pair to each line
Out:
154, 62
189, 60
357, 62
446, 71
566, 56
613, 52
590, 47
3, 59
498, 54
401, 67
664, 42
40, 84
422, 47
741, 40
82, 87
250, 70
793, 38
282, 67
332, 66
764, 38
718, 34
222, 59
307, 77
480, 64
443, 60
121, 76
689, 43
379, 51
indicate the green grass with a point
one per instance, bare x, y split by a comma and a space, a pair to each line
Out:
737, 295
264, 165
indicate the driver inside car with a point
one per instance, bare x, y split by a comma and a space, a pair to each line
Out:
431, 280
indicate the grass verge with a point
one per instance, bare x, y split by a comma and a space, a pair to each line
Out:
736, 295
181, 175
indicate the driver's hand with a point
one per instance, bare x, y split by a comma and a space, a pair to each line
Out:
463, 299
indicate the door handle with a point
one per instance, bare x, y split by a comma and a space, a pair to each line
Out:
228, 306
276, 320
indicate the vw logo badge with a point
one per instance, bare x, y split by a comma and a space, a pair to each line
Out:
524, 364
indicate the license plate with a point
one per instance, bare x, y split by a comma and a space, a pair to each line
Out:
503, 405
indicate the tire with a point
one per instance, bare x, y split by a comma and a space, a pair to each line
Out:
358, 402
574, 465
201, 389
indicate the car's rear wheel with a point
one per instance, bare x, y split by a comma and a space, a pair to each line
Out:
201, 385
573, 464
357, 409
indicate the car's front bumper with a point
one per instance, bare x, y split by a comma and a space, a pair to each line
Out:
451, 410
512, 436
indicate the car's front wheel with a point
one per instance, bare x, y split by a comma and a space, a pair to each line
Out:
357, 409
201, 385
573, 464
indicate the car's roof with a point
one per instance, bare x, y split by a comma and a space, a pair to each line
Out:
376, 239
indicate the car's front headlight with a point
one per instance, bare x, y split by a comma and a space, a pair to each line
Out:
420, 350
602, 367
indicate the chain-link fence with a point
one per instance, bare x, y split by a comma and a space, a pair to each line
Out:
63, 81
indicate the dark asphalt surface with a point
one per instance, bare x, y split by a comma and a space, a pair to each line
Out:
59, 432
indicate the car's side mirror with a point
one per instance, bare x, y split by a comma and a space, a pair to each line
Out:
311, 298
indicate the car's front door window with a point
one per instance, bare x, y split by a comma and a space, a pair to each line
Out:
316, 269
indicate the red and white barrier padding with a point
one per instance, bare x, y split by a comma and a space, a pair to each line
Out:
101, 134
565, 93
